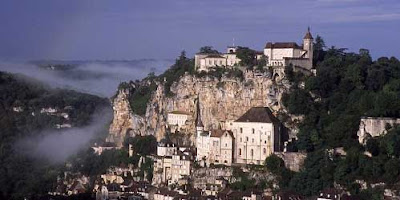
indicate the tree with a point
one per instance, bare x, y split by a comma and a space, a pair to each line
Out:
143, 145
319, 49
208, 50
274, 164
247, 56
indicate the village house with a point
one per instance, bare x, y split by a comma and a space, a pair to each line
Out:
172, 162
176, 120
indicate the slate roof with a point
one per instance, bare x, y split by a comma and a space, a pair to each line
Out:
308, 35
282, 45
219, 133
258, 114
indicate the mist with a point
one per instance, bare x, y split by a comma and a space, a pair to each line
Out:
57, 146
95, 77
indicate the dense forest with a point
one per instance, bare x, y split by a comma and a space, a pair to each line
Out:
22, 101
346, 87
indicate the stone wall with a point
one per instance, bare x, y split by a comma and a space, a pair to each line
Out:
374, 126
293, 160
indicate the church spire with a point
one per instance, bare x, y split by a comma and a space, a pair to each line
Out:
199, 123
308, 35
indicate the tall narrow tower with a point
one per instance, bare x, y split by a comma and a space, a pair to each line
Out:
308, 45
199, 123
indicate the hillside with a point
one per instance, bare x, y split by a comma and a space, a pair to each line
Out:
141, 108
346, 87
27, 107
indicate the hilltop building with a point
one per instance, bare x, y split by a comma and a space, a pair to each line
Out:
277, 55
207, 61
286, 53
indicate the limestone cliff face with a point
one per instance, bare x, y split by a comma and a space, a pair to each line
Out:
124, 121
221, 101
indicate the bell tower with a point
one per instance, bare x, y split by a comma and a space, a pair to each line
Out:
199, 123
308, 44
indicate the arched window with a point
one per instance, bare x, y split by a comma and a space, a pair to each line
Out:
253, 131
240, 151
251, 153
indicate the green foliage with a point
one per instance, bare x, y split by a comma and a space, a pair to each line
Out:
247, 56
143, 145
141, 91
347, 86
208, 50
274, 163
220, 71
91, 164
22, 176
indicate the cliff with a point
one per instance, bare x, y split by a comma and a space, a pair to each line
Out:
221, 101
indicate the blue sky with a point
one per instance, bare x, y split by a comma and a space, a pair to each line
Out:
160, 29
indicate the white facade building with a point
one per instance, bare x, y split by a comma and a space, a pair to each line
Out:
178, 118
257, 135
172, 163
286, 53
205, 62
215, 147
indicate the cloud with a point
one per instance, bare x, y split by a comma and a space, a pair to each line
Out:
57, 146
368, 18
99, 78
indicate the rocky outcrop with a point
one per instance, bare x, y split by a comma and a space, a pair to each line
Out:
374, 126
124, 121
293, 160
221, 101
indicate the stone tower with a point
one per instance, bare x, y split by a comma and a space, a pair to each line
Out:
308, 44
199, 123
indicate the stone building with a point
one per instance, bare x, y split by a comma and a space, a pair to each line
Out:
176, 120
214, 146
171, 163
257, 135
285, 53
207, 61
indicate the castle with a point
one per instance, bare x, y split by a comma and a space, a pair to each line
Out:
277, 55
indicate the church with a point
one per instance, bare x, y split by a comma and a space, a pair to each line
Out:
251, 139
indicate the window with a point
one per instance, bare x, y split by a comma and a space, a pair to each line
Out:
265, 151
226, 144
241, 130
247, 139
252, 140
253, 131
251, 153
240, 151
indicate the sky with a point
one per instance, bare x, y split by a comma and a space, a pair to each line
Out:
161, 29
